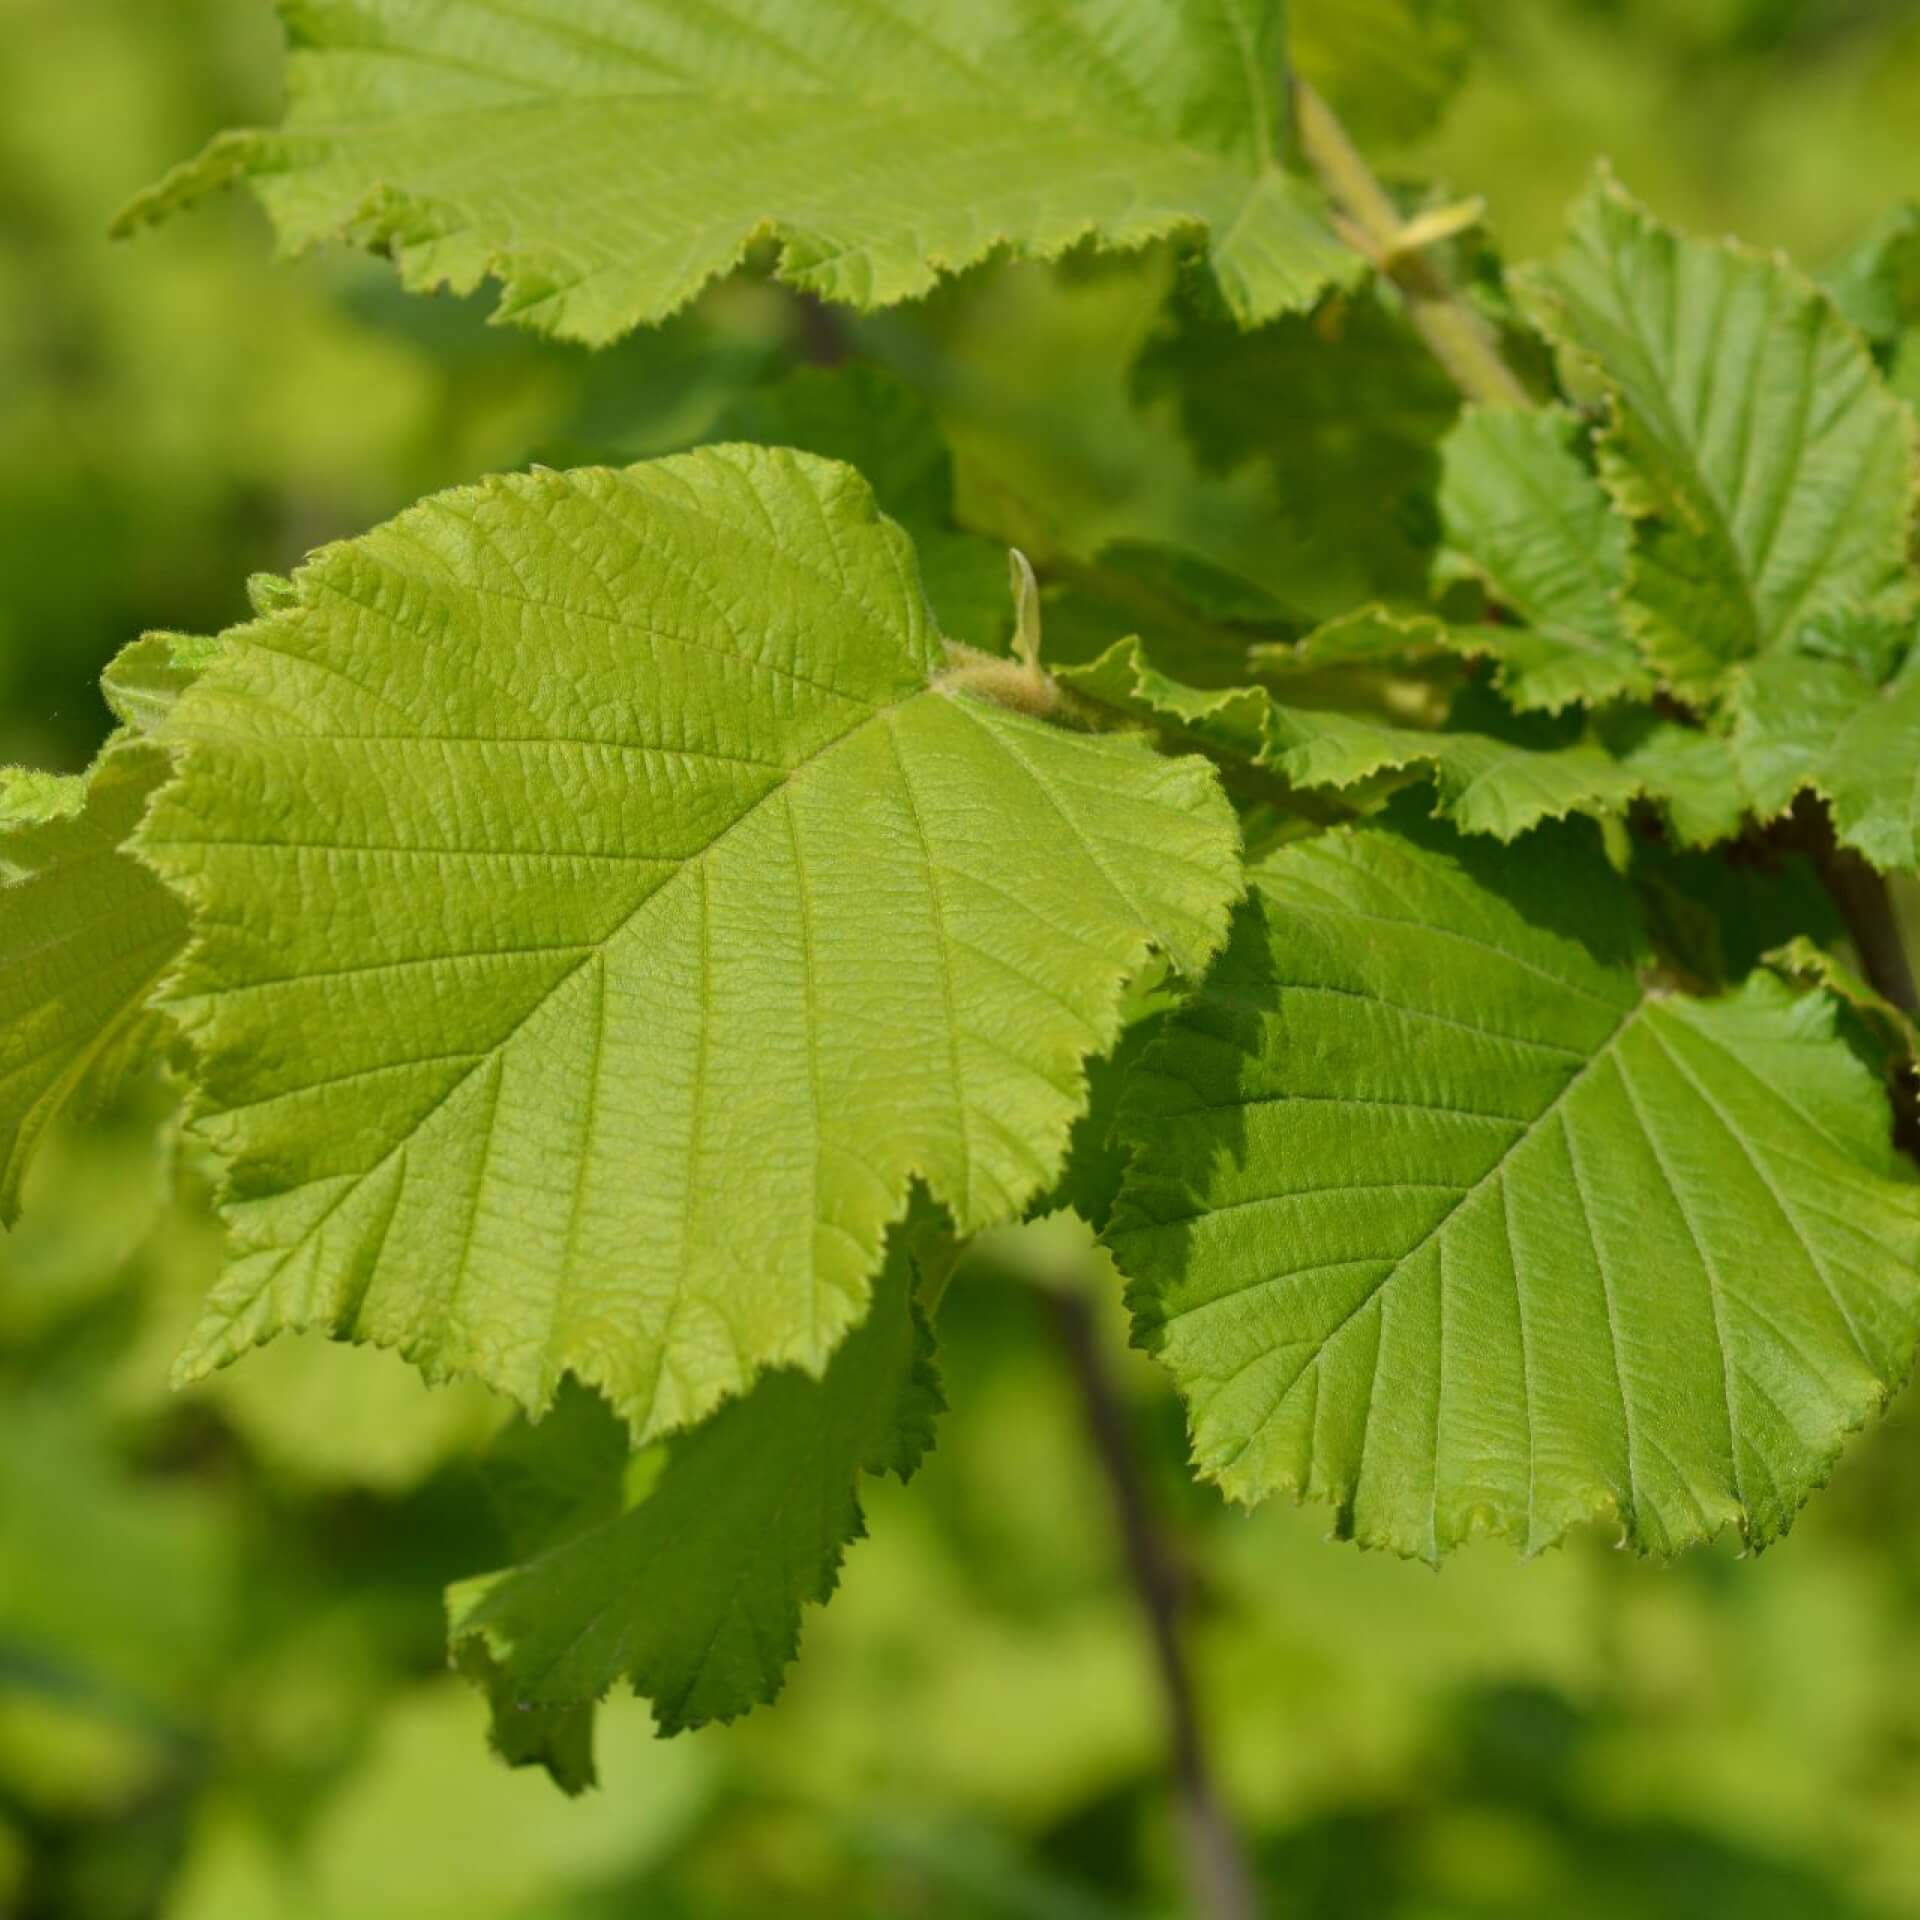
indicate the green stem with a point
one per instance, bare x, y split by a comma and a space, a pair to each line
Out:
1459, 337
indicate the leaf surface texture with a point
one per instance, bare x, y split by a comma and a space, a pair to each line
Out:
1445, 1210
86, 932
1768, 469
1527, 517
694, 1592
603, 920
607, 158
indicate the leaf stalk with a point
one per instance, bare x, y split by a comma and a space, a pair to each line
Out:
1458, 336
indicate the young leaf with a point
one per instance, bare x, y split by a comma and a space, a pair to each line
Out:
1877, 287
1445, 1209
694, 1593
605, 159
1536, 527
85, 932
603, 918
1484, 784
1797, 723
1770, 473
1799, 959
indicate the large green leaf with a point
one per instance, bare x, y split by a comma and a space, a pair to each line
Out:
606, 158
606, 911
85, 932
1768, 469
694, 1591
1448, 1209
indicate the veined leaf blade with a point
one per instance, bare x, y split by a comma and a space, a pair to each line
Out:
603, 920
606, 159
1445, 1210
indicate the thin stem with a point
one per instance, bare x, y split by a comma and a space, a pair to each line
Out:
1866, 905
1221, 1882
1866, 909
1457, 335
825, 339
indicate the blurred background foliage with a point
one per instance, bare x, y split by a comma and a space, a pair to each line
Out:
223, 1692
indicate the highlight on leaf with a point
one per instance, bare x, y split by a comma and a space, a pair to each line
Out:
601, 920
86, 933
878, 149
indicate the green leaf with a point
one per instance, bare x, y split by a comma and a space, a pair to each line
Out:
1388, 68
1770, 473
879, 425
1799, 959
144, 681
1525, 515
1056, 454
1877, 287
606, 160
603, 919
1345, 410
30, 802
1097, 1156
1689, 770
86, 932
1713, 920
1797, 724
1447, 1210
694, 1593
1483, 784
85, 936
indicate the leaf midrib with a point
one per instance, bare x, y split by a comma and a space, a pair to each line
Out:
1131, 144
1400, 1262
596, 952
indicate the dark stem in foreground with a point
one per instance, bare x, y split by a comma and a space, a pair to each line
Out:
1865, 904
1221, 1881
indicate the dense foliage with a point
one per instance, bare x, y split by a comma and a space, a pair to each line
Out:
1406, 864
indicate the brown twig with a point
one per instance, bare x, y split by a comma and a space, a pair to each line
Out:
1866, 907
1865, 904
1222, 1882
